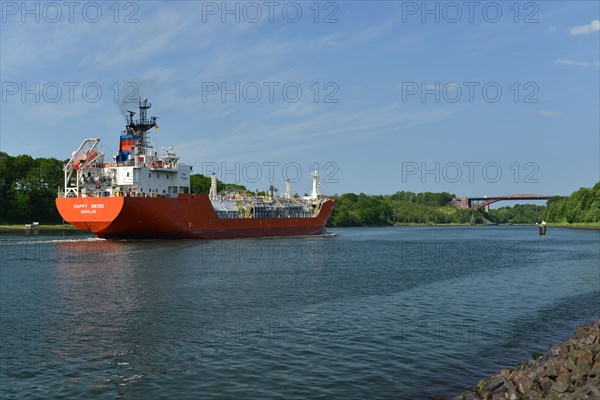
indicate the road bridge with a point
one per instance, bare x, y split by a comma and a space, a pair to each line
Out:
475, 203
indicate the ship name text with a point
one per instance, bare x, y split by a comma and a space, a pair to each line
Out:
86, 206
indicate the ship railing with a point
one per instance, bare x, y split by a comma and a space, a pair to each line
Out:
99, 193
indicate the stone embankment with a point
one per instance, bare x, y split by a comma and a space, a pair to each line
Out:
570, 370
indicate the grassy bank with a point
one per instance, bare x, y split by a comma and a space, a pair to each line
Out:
577, 225
40, 228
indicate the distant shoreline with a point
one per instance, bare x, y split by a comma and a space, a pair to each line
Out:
592, 226
21, 228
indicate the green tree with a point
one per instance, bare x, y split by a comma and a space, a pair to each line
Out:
582, 205
28, 189
201, 184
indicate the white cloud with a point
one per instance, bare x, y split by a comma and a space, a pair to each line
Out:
550, 114
145, 41
159, 74
296, 110
359, 36
325, 41
25, 45
265, 135
552, 29
564, 61
450, 87
592, 27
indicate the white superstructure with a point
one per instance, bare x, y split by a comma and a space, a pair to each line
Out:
136, 170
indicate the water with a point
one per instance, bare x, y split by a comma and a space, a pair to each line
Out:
368, 313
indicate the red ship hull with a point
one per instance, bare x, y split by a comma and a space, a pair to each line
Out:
185, 217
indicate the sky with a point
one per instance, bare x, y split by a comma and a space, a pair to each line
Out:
472, 98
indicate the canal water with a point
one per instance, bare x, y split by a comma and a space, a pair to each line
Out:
408, 312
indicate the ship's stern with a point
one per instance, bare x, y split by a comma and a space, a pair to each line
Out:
92, 214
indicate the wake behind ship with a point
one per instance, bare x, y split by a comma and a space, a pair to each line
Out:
141, 194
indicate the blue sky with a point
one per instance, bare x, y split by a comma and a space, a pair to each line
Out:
485, 99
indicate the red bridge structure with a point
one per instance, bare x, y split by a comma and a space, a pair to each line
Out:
475, 203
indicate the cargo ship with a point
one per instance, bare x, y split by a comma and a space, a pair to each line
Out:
141, 194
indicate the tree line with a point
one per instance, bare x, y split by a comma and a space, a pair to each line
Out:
517, 214
581, 206
399, 208
28, 189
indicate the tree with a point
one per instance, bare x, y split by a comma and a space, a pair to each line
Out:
201, 184
28, 189
582, 205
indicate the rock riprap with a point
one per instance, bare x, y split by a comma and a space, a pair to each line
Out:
570, 370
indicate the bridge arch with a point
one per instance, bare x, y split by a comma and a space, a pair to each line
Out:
476, 203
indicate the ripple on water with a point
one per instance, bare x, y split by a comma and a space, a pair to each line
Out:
360, 314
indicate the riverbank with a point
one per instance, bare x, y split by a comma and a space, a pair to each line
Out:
24, 229
570, 370
576, 225
20, 229
579, 225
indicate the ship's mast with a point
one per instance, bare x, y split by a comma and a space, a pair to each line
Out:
138, 128
143, 124
288, 189
315, 185
212, 194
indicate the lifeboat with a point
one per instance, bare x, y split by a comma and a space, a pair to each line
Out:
84, 157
